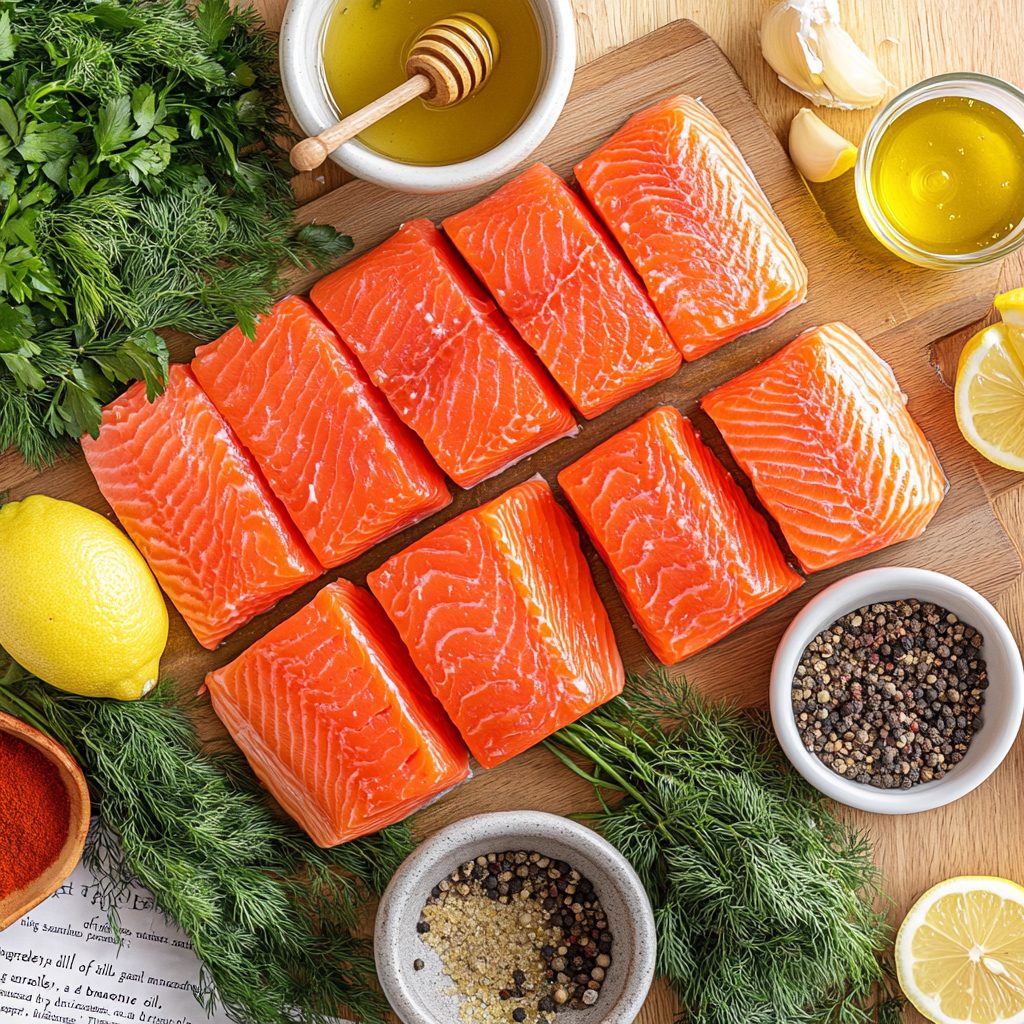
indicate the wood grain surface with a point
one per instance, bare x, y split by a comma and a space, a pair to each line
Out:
899, 309
910, 40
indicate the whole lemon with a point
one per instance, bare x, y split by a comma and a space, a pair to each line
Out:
78, 604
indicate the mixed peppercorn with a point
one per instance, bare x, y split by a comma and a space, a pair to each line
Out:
889, 695
522, 936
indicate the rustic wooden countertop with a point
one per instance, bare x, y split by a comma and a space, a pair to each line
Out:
910, 40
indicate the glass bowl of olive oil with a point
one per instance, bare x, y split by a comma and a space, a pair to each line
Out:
940, 174
339, 55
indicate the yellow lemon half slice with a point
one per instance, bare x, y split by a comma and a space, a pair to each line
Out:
960, 952
989, 392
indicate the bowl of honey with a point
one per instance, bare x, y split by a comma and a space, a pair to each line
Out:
940, 174
339, 55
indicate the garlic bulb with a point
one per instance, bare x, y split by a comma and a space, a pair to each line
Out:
819, 153
812, 53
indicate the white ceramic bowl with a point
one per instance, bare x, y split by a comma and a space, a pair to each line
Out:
419, 997
301, 56
1000, 715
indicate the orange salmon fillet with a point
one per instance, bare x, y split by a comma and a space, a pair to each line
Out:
689, 554
682, 202
567, 289
822, 430
197, 507
335, 720
448, 361
500, 613
348, 471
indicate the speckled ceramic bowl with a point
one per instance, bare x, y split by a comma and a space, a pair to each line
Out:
419, 997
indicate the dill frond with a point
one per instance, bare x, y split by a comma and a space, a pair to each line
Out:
768, 907
270, 915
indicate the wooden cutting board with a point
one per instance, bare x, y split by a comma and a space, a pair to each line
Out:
899, 309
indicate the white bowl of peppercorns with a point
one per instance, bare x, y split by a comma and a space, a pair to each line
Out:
514, 917
897, 690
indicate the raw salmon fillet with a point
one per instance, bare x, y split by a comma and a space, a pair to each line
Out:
348, 471
567, 290
500, 613
197, 507
682, 202
822, 431
336, 721
448, 361
690, 556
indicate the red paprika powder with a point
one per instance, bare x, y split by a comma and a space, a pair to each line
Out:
35, 814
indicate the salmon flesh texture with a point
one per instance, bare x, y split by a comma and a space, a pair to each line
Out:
675, 191
348, 471
822, 431
196, 505
567, 289
689, 554
500, 613
448, 361
335, 720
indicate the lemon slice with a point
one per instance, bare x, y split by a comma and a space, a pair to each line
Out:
990, 388
960, 952
1011, 307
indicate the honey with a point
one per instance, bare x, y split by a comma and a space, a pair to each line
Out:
948, 175
364, 52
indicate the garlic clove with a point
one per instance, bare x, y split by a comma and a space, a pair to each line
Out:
850, 74
819, 153
813, 54
784, 47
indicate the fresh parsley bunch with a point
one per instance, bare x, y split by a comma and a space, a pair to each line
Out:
141, 189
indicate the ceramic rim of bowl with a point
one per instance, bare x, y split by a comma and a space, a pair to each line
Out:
1001, 95
405, 895
303, 28
996, 732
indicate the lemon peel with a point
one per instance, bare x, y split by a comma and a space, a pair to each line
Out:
960, 952
989, 390
79, 606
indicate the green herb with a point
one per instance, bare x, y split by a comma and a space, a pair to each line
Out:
270, 914
141, 189
768, 908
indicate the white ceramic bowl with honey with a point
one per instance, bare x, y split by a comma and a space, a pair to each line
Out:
1000, 716
303, 31
422, 996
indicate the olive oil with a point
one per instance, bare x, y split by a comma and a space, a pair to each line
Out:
364, 53
948, 175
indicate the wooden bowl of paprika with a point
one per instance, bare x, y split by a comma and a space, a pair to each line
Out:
44, 817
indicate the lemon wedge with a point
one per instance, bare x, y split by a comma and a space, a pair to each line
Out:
960, 952
989, 391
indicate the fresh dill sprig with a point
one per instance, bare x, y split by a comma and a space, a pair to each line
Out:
270, 914
768, 908
142, 188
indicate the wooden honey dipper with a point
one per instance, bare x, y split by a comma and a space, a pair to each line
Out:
448, 62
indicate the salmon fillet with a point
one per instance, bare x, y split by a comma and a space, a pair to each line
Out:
335, 720
348, 471
822, 431
500, 613
197, 507
677, 194
567, 290
448, 361
689, 554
